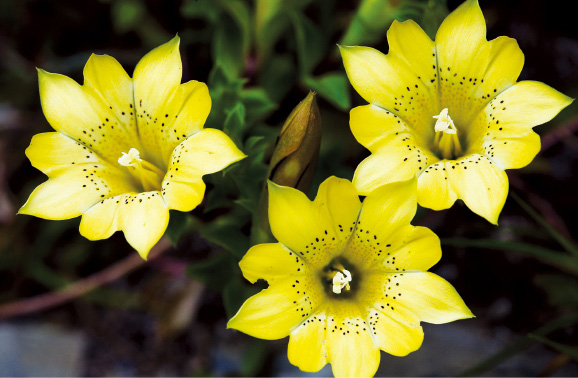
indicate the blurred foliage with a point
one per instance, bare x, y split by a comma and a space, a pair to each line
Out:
260, 58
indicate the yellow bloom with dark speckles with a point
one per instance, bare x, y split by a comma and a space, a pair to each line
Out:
346, 279
125, 151
449, 111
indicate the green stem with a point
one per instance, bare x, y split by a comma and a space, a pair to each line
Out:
561, 239
518, 346
557, 259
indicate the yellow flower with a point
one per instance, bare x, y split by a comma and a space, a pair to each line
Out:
449, 111
125, 151
346, 279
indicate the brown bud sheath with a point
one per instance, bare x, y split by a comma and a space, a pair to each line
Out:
294, 157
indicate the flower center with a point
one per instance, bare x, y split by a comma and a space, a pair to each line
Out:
446, 141
337, 279
341, 280
147, 174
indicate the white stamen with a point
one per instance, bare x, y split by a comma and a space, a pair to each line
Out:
131, 159
341, 280
444, 122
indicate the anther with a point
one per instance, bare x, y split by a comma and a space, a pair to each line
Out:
341, 280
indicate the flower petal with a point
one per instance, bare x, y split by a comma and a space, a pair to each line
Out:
460, 37
388, 82
70, 192
527, 104
206, 151
350, 347
513, 113
481, 185
341, 201
107, 82
399, 158
142, 217
513, 153
418, 249
302, 225
271, 261
307, 346
382, 224
410, 44
434, 189
431, 298
276, 311
75, 111
157, 96
393, 337
190, 118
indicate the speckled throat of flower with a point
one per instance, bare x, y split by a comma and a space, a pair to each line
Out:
449, 112
346, 279
126, 150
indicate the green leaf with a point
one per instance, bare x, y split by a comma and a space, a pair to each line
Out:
434, 13
333, 86
208, 10
179, 224
568, 244
226, 233
556, 259
235, 123
228, 49
277, 75
572, 352
518, 346
311, 43
127, 14
562, 289
257, 103
235, 293
254, 357
214, 272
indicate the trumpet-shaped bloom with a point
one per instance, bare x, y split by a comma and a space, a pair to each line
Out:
346, 279
125, 151
449, 112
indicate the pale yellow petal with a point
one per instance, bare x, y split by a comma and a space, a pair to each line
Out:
514, 112
106, 81
307, 344
271, 261
158, 96
350, 346
340, 199
142, 217
460, 36
513, 153
301, 225
75, 111
431, 298
373, 126
276, 311
52, 152
393, 337
434, 189
72, 190
418, 249
480, 184
207, 151
190, 118
388, 82
410, 44
398, 158
383, 223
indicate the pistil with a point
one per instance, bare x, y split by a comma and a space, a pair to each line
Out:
148, 174
341, 280
446, 141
